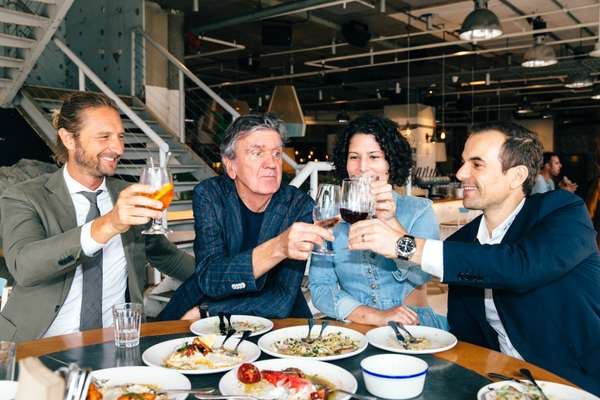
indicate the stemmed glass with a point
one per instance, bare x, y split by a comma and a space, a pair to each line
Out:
357, 201
326, 212
161, 181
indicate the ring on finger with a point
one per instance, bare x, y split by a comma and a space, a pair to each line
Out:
362, 237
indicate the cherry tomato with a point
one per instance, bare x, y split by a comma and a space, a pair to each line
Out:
248, 373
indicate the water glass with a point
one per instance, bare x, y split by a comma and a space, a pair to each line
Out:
7, 360
127, 318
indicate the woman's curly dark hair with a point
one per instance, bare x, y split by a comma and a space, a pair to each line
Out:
395, 147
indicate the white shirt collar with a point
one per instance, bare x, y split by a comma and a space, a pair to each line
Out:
499, 232
74, 186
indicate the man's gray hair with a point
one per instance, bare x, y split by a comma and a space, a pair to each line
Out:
246, 124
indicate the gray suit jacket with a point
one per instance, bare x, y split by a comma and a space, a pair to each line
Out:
42, 249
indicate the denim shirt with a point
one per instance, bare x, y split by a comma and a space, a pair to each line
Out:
349, 279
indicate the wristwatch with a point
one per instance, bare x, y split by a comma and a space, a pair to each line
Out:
406, 247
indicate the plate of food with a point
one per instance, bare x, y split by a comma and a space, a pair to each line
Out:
112, 383
336, 343
292, 379
429, 340
511, 390
210, 325
200, 354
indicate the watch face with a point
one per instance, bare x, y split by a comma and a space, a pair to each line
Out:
406, 245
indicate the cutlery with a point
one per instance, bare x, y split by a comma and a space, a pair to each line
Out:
495, 375
311, 323
399, 337
222, 323
527, 374
192, 391
230, 396
228, 318
245, 335
324, 325
230, 333
411, 338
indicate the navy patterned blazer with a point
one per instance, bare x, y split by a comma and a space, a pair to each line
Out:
546, 280
223, 276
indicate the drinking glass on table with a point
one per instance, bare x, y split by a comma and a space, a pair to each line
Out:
326, 212
127, 319
161, 181
357, 201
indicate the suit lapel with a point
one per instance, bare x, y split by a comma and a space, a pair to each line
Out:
274, 216
61, 204
127, 238
233, 216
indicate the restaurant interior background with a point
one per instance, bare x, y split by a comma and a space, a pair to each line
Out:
317, 63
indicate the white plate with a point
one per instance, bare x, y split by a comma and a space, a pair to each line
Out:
210, 325
161, 377
156, 355
339, 377
266, 343
555, 391
8, 390
384, 339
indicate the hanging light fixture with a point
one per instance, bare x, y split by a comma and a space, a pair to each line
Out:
405, 130
480, 24
596, 93
579, 80
343, 117
442, 132
540, 54
547, 113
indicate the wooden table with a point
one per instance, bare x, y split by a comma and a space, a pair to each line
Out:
474, 358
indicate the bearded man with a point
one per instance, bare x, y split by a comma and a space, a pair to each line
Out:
72, 238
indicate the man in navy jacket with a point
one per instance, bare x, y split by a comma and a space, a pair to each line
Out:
525, 276
253, 235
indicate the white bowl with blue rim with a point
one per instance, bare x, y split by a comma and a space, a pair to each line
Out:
394, 376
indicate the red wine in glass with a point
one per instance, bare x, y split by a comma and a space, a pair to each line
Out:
351, 216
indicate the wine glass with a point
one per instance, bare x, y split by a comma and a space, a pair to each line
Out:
161, 181
326, 212
357, 201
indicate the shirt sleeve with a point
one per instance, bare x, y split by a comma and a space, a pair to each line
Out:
432, 261
88, 245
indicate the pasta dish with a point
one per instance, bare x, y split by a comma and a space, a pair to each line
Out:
329, 345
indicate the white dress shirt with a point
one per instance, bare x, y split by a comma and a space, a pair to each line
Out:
114, 264
433, 263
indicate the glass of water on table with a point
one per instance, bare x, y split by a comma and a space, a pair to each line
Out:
127, 319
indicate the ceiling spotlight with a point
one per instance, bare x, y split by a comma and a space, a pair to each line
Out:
547, 113
480, 24
578, 80
524, 107
596, 93
343, 117
596, 51
540, 54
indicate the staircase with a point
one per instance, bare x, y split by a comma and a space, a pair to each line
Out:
27, 26
37, 105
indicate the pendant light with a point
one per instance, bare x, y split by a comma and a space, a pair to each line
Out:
540, 54
596, 51
480, 24
405, 130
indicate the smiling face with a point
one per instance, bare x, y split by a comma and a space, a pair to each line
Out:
486, 186
95, 151
257, 166
365, 157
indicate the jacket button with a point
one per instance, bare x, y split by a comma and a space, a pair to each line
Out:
57, 308
370, 270
373, 286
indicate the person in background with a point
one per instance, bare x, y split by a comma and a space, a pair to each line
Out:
253, 235
72, 239
364, 286
544, 181
524, 276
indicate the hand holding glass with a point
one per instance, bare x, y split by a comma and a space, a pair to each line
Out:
159, 179
326, 212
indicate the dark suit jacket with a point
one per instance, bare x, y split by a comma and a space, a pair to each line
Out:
223, 276
42, 249
546, 280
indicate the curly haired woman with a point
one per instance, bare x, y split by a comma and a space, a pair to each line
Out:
363, 286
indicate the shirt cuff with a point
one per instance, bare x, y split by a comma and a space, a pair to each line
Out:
88, 245
345, 305
432, 260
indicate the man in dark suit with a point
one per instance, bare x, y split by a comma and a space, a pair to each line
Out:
525, 276
72, 239
253, 235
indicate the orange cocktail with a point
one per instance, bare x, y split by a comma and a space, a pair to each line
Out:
164, 194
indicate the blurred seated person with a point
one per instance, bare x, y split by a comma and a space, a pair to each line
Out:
363, 286
544, 181
253, 235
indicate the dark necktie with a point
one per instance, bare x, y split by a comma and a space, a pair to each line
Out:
91, 300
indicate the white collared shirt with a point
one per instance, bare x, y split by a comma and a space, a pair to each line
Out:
114, 264
433, 263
